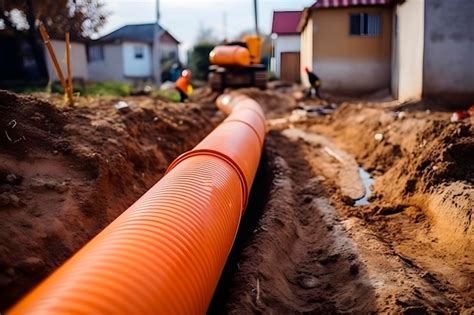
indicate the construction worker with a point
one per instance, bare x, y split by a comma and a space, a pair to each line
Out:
314, 82
183, 86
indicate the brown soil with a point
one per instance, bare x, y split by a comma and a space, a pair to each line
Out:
305, 244
65, 173
313, 251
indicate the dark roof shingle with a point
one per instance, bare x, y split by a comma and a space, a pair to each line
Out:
347, 3
135, 32
286, 22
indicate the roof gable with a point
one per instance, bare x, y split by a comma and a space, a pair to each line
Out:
324, 4
168, 38
136, 32
285, 22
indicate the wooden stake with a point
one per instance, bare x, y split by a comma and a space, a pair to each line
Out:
52, 54
69, 70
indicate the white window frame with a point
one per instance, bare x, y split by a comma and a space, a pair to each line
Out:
373, 27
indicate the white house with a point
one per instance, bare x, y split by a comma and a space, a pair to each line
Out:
133, 53
78, 60
286, 45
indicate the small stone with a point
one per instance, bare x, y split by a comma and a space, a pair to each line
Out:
50, 185
37, 212
62, 188
11, 178
354, 268
55, 152
348, 200
14, 200
308, 282
4, 199
378, 137
31, 265
122, 106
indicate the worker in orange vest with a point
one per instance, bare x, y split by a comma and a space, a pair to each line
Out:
182, 84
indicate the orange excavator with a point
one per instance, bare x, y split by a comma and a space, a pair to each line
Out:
238, 64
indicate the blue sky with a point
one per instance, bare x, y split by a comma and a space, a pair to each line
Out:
183, 18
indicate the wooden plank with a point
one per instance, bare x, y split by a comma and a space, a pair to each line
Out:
69, 70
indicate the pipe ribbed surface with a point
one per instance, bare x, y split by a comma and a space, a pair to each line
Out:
165, 254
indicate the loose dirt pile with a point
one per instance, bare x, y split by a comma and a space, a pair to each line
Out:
305, 244
422, 162
312, 250
65, 173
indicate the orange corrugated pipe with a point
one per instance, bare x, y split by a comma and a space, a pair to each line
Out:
165, 254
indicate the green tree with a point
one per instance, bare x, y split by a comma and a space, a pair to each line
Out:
200, 60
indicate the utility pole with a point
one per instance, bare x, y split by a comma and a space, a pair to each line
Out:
224, 21
255, 8
157, 11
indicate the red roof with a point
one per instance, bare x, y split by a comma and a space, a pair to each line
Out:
347, 3
286, 22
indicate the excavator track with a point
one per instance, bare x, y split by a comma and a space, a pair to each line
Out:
221, 78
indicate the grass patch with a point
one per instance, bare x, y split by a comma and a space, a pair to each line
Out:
167, 95
106, 88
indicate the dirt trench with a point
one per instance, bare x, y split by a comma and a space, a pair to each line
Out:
306, 248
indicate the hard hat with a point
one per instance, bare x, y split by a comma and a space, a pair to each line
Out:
186, 73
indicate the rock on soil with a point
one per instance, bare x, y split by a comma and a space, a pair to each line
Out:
66, 172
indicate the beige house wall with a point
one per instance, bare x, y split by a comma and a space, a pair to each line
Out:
345, 63
111, 68
449, 51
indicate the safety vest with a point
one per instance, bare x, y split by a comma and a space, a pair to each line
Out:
182, 84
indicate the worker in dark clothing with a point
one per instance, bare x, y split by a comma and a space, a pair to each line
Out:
183, 86
314, 82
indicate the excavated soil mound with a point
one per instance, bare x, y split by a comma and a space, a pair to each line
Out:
422, 159
65, 173
306, 247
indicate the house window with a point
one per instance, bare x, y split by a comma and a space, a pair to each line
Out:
139, 52
96, 53
363, 24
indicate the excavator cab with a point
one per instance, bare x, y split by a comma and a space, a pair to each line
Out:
237, 64
254, 45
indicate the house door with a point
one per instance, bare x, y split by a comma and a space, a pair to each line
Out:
290, 67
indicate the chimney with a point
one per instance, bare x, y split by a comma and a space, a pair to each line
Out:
157, 11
